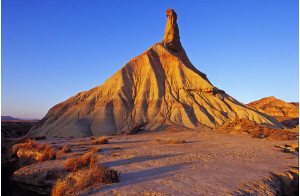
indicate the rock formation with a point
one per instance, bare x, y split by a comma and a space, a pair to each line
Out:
286, 113
276, 107
159, 88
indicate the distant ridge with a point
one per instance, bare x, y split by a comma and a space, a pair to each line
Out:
22, 119
158, 88
9, 118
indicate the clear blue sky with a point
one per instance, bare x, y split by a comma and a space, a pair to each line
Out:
53, 49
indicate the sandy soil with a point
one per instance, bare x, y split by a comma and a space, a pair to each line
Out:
209, 163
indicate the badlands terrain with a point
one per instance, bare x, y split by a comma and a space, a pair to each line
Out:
156, 127
176, 161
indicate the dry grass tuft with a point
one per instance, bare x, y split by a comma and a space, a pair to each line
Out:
75, 163
41, 147
85, 180
95, 149
101, 140
117, 147
47, 154
27, 144
259, 131
64, 150
24, 139
172, 141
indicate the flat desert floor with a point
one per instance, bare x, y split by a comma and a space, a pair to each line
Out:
209, 163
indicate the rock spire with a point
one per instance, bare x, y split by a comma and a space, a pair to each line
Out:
155, 90
171, 38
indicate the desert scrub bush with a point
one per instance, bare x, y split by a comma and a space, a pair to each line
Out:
41, 152
172, 141
75, 163
24, 139
27, 144
47, 154
85, 180
95, 149
92, 138
64, 150
101, 140
117, 147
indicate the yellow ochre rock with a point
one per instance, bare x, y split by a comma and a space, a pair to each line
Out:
159, 88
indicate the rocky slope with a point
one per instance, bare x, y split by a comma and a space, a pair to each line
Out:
286, 113
160, 87
276, 107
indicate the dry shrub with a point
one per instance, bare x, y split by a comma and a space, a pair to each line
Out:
101, 140
157, 140
95, 149
172, 141
64, 150
85, 180
117, 147
24, 139
92, 138
41, 147
47, 154
260, 131
28, 145
75, 163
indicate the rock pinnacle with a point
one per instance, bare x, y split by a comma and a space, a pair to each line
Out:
171, 38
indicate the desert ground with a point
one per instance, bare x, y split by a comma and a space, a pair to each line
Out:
201, 161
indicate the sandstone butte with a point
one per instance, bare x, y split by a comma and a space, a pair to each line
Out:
158, 88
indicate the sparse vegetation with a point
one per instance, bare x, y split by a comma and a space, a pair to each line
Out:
95, 149
84, 180
27, 144
101, 140
92, 138
117, 147
25, 139
64, 150
172, 141
45, 152
260, 131
75, 163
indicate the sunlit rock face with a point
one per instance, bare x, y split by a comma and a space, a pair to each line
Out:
276, 107
159, 88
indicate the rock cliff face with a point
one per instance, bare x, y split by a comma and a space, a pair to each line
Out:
160, 88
